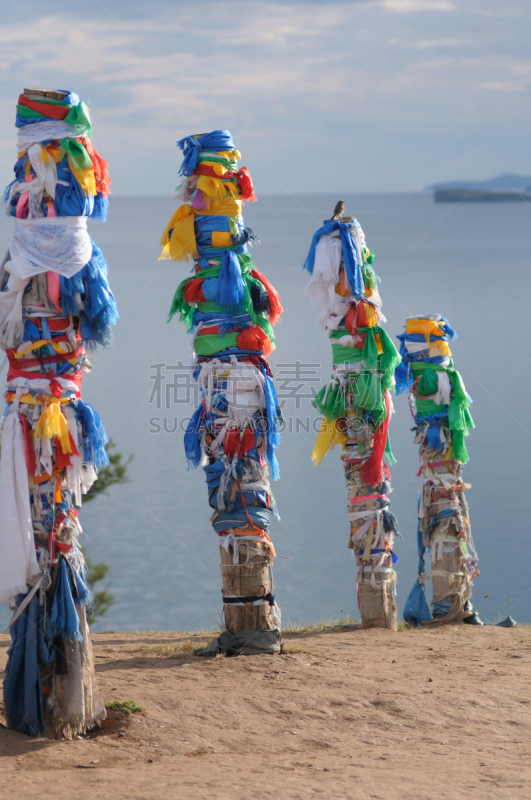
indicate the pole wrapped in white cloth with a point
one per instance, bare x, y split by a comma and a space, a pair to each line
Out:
18, 564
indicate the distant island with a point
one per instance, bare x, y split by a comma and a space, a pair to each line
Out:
502, 189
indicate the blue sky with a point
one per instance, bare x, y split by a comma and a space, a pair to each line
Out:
376, 95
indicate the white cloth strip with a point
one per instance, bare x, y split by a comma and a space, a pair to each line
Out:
442, 395
41, 384
416, 347
48, 130
18, 564
372, 515
45, 179
59, 244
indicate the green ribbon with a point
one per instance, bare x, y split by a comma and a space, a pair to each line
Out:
386, 362
212, 343
76, 152
460, 420
78, 115
179, 304
365, 393
232, 165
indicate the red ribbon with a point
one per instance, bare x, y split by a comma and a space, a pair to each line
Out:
242, 176
193, 291
254, 338
31, 462
372, 470
275, 306
246, 185
356, 317
46, 109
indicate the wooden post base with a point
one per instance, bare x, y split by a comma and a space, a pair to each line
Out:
450, 580
250, 577
378, 605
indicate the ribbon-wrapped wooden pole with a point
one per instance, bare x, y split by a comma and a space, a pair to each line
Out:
356, 404
55, 307
440, 408
230, 308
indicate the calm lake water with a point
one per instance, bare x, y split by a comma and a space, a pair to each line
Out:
469, 262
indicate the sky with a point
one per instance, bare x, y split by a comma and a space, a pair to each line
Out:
368, 96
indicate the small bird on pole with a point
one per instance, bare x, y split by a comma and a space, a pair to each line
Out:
338, 210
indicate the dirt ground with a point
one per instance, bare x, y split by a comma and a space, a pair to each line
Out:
440, 714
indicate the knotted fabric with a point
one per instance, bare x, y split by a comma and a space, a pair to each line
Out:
193, 146
350, 257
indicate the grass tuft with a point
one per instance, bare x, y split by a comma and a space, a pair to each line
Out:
165, 650
125, 706
331, 624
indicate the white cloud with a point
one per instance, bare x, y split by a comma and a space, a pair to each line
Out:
269, 24
504, 86
271, 72
410, 6
429, 44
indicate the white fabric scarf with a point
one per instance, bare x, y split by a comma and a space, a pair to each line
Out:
18, 564
47, 130
57, 244
321, 290
49, 244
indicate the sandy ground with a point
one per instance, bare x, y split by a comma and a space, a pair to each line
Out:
439, 714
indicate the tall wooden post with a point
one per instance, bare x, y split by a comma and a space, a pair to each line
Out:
356, 404
439, 406
230, 307
55, 302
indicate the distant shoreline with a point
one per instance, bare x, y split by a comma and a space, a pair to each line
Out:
480, 196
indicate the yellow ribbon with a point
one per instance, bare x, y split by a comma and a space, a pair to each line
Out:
39, 400
329, 435
227, 207
221, 239
230, 155
57, 346
182, 245
439, 349
215, 188
372, 316
52, 423
429, 327
86, 179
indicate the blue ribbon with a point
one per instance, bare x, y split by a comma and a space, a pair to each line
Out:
417, 609
444, 514
30, 650
204, 253
193, 146
272, 413
95, 438
192, 448
353, 269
